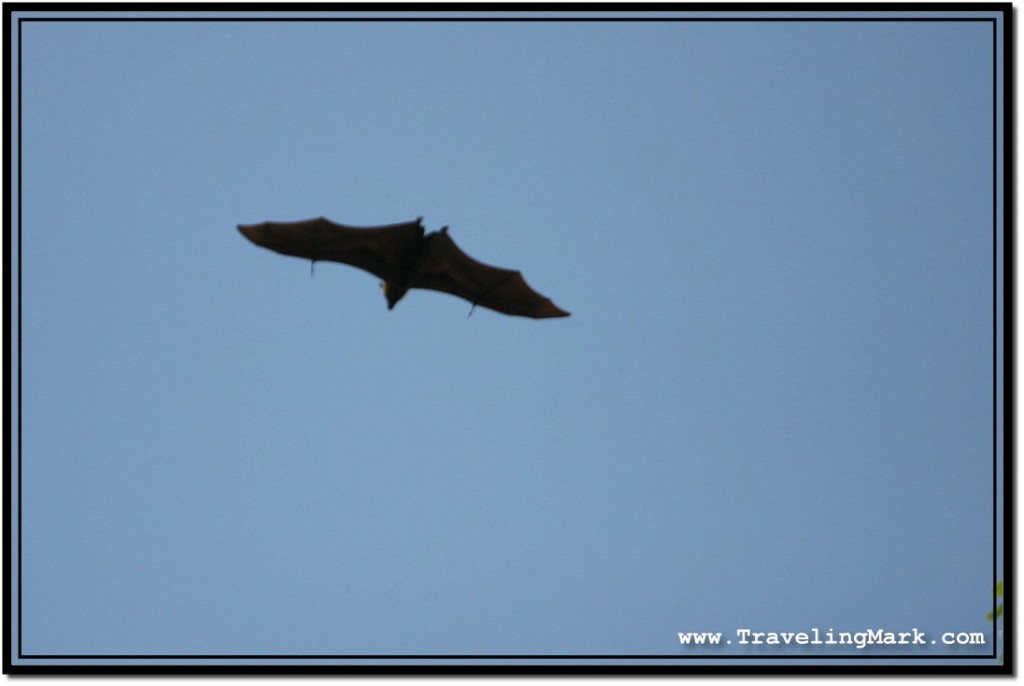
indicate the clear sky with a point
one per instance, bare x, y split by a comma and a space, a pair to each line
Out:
771, 408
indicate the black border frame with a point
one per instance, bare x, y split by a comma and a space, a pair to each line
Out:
542, 12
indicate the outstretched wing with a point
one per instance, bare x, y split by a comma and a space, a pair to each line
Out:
444, 267
379, 250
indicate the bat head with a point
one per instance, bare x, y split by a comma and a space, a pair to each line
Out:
393, 292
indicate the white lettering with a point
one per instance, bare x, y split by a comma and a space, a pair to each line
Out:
963, 638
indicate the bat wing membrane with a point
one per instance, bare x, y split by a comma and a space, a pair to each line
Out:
448, 269
379, 250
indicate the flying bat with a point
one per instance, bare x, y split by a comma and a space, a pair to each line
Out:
403, 256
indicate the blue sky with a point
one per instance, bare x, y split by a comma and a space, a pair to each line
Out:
770, 409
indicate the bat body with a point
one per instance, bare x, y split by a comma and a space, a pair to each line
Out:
404, 256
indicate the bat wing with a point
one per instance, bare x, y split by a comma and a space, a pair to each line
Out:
379, 250
444, 267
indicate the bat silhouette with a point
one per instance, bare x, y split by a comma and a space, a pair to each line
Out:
405, 257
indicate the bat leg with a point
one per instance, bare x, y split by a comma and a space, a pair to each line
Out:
312, 263
471, 311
